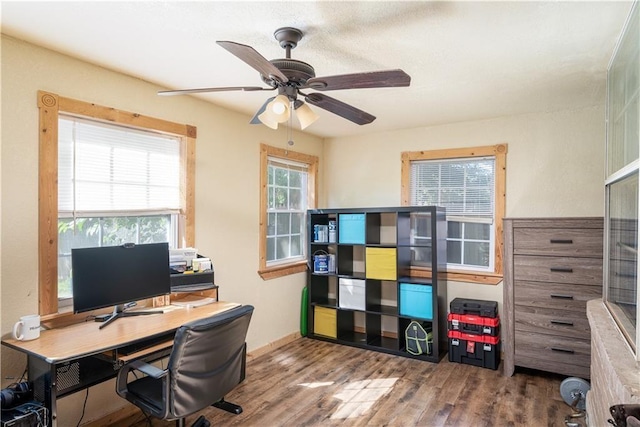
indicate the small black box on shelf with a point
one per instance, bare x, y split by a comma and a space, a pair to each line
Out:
474, 306
476, 350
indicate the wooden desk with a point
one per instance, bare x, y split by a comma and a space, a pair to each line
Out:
65, 360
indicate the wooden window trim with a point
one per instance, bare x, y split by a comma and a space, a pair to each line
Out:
50, 105
498, 151
266, 151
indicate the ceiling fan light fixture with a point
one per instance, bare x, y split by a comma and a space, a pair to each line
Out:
279, 109
267, 120
305, 115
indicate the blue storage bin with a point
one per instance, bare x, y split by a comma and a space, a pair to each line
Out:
416, 300
351, 229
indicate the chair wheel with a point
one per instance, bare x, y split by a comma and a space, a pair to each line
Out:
201, 422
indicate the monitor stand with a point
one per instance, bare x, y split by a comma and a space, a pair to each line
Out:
119, 311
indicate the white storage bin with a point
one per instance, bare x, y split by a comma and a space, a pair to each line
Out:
351, 294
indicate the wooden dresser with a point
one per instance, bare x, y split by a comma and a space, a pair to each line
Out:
552, 267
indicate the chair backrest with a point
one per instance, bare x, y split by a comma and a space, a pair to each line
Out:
207, 360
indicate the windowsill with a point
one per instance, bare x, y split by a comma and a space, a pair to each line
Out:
460, 276
282, 270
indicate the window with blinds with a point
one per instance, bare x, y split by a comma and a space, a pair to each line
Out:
465, 187
287, 203
115, 185
106, 168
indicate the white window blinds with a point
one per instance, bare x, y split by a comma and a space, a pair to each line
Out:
465, 187
105, 168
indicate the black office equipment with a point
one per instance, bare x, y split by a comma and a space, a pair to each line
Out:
207, 361
117, 275
192, 282
30, 414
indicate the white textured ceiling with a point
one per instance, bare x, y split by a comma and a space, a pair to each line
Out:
467, 60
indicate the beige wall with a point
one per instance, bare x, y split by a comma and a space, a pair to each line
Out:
227, 196
555, 167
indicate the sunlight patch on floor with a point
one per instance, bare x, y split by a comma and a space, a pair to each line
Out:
358, 397
316, 385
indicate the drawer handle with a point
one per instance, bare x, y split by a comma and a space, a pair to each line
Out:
561, 269
562, 241
561, 322
562, 350
556, 296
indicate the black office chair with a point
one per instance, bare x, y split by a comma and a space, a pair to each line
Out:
207, 361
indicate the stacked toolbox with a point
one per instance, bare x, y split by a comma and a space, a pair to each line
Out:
474, 332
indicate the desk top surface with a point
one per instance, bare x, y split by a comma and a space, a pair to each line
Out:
83, 339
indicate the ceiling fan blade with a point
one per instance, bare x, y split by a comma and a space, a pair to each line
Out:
212, 89
255, 120
388, 78
254, 59
340, 108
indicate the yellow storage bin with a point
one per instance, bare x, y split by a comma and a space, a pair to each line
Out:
324, 322
381, 263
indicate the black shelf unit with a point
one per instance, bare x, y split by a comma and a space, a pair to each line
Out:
377, 253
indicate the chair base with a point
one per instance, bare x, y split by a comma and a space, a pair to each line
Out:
228, 406
201, 422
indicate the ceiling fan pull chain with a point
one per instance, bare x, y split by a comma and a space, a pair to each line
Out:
289, 130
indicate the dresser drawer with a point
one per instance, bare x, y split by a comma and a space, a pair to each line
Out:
553, 354
579, 271
558, 241
559, 296
553, 322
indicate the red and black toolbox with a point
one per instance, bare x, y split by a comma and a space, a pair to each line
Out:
476, 325
477, 307
477, 350
474, 332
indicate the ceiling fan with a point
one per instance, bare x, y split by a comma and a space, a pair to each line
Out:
292, 78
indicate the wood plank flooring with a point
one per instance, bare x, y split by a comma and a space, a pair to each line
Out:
315, 383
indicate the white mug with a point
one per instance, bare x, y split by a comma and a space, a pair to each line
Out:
27, 328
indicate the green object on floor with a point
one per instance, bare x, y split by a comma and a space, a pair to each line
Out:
303, 311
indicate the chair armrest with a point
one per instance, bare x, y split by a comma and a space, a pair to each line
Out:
139, 365
146, 368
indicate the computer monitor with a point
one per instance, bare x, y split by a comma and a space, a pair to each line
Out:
116, 275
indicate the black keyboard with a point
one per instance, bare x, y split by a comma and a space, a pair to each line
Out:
193, 287
147, 343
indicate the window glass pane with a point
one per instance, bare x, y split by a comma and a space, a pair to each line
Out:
295, 179
271, 224
271, 248
421, 256
623, 249
623, 85
454, 252
271, 198
297, 223
296, 245
117, 231
295, 199
282, 247
454, 230
281, 177
476, 253
281, 199
282, 223
154, 229
477, 231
